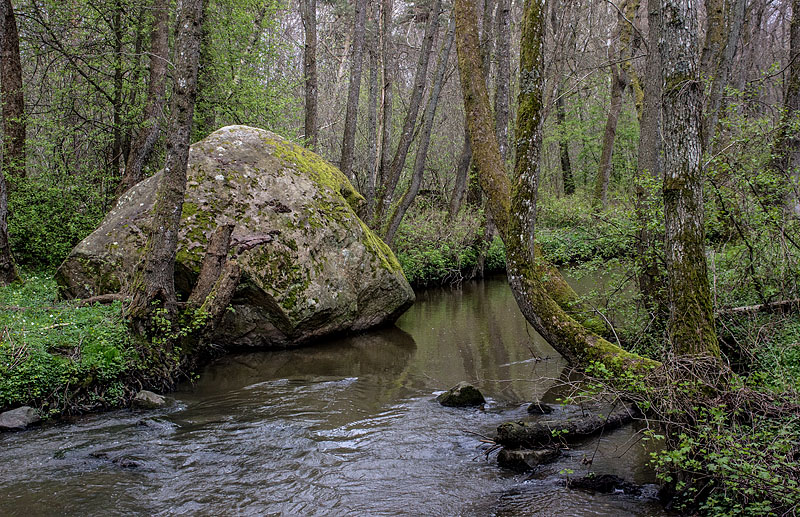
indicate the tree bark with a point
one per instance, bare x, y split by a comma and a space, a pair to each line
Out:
786, 152
648, 171
406, 136
12, 94
691, 322
462, 174
619, 81
8, 271
501, 94
153, 285
723, 29
425, 137
351, 115
384, 148
308, 13
146, 139
563, 145
515, 219
372, 118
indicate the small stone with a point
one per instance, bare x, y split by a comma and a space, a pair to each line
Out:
538, 408
461, 395
18, 419
526, 459
148, 400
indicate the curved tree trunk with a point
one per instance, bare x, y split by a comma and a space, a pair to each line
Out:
691, 323
515, 219
425, 138
351, 114
407, 135
153, 285
156, 98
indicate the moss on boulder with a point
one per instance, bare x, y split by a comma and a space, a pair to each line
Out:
324, 273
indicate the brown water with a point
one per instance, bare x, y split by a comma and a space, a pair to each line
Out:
348, 427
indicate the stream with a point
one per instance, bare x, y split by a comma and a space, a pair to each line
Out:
347, 427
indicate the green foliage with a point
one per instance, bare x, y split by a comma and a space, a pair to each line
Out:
50, 214
435, 251
57, 356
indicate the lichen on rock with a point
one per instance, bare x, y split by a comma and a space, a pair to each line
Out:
325, 272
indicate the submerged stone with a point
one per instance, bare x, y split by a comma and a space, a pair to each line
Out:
539, 408
461, 395
18, 419
325, 272
148, 400
526, 459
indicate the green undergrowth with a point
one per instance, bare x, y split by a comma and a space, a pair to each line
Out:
58, 357
436, 250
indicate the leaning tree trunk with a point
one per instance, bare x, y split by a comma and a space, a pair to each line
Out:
147, 137
349, 138
406, 136
691, 323
425, 138
501, 93
14, 127
153, 285
515, 217
308, 13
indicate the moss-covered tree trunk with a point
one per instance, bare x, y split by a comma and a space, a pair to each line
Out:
516, 217
691, 323
153, 285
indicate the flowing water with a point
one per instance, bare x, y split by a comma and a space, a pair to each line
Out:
348, 427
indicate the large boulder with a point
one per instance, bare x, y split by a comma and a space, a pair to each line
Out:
324, 273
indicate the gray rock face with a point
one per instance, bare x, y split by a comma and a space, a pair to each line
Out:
461, 395
18, 419
324, 273
148, 400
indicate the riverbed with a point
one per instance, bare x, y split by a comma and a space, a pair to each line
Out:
346, 427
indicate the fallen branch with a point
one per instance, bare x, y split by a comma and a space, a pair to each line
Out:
764, 307
102, 299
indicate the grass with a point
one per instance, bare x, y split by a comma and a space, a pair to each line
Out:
59, 357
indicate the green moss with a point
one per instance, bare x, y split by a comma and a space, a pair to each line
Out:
380, 249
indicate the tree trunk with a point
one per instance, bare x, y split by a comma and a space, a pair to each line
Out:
691, 322
406, 136
563, 145
462, 174
515, 219
14, 127
146, 139
351, 115
425, 137
619, 81
153, 285
8, 272
648, 171
501, 95
787, 146
116, 147
372, 119
308, 13
723, 29
384, 148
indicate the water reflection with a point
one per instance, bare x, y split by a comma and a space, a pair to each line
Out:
348, 427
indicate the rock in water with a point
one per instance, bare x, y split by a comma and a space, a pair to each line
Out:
18, 419
523, 460
324, 273
461, 395
148, 400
